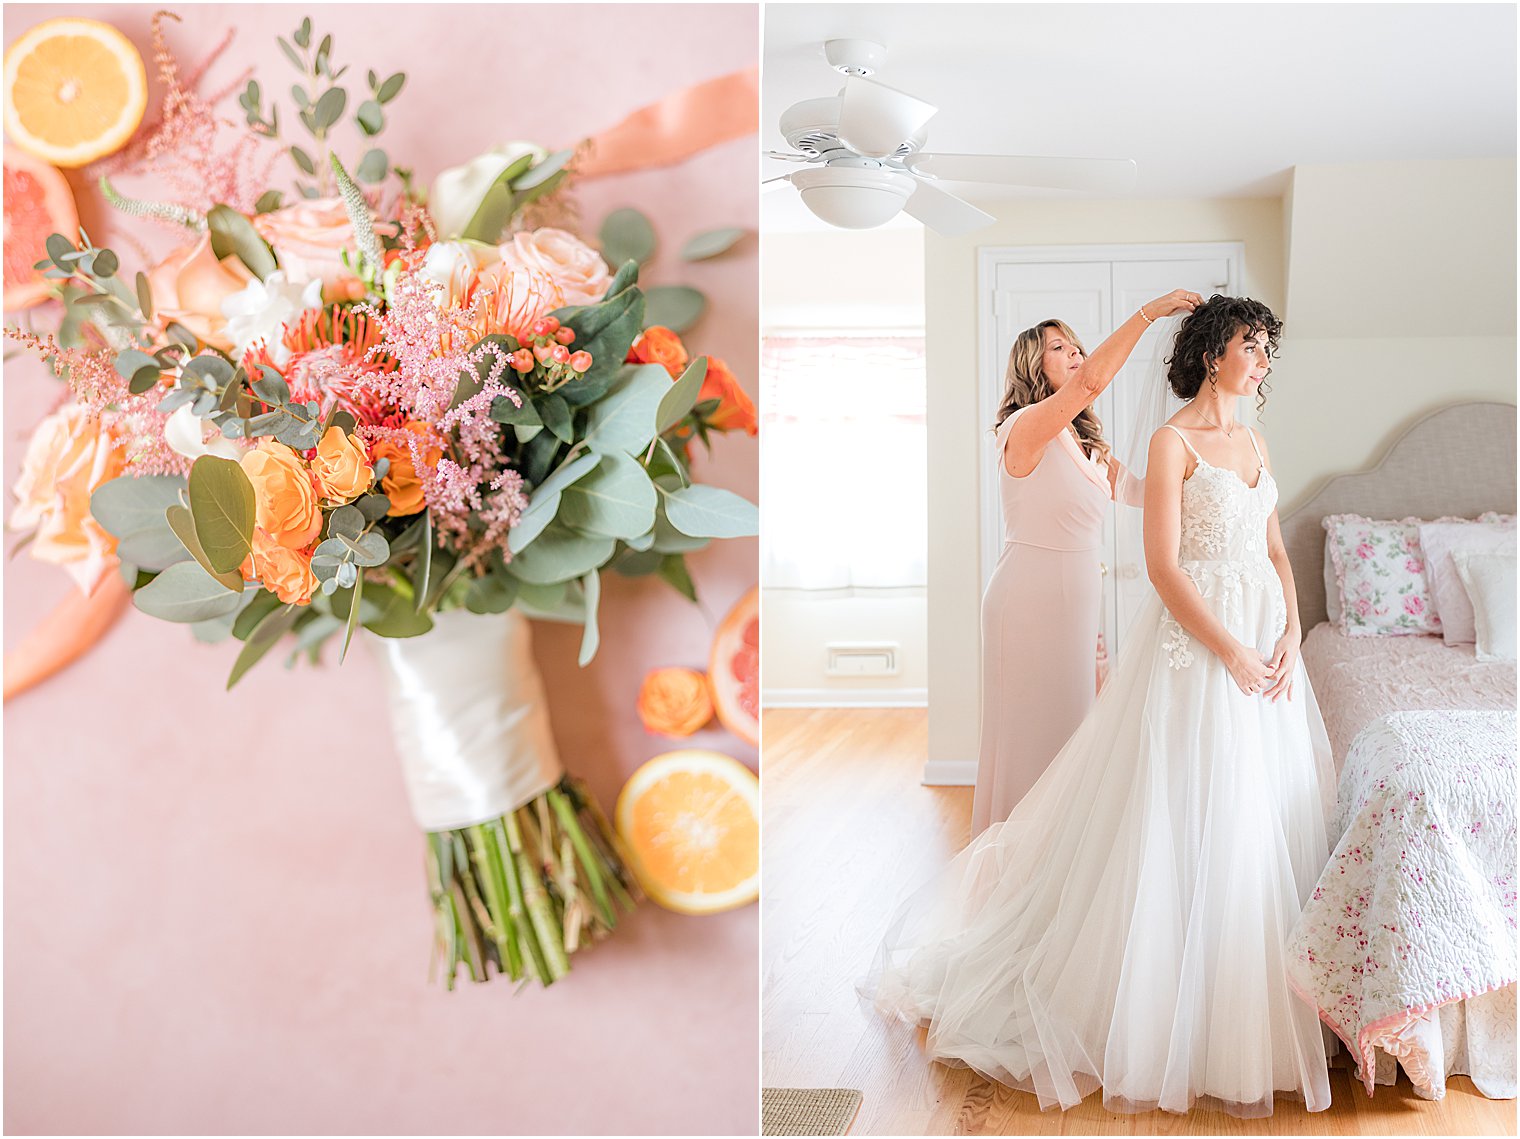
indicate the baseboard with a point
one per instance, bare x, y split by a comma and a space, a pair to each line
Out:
950, 773
844, 698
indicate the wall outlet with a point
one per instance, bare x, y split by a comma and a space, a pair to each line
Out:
877, 658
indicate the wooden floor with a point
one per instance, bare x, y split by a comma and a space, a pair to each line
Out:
848, 829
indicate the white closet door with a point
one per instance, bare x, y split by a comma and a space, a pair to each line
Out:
1134, 283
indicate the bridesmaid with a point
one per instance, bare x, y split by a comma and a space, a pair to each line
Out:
1041, 611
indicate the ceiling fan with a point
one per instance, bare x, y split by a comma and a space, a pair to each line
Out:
864, 161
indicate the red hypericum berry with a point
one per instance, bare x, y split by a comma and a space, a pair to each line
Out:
522, 360
542, 352
559, 354
580, 361
565, 335
541, 327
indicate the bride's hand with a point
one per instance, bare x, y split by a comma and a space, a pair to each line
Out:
1282, 667
1178, 300
1248, 668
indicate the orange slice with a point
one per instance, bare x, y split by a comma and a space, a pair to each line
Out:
75, 90
691, 822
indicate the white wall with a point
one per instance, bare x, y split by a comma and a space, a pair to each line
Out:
1396, 284
839, 279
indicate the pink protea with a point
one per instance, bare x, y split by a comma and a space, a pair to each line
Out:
502, 299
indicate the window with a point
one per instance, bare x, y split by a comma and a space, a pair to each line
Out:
844, 471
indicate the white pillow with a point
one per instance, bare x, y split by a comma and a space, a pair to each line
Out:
1332, 588
1440, 540
1490, 582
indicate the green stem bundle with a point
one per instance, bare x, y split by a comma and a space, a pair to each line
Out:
525, 891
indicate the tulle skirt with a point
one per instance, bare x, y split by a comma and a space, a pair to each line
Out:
1126, 926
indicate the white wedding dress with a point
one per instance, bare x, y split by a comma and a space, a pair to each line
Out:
1126, 925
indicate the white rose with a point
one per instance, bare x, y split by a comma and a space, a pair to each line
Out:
458, 191
262, 309
186, 433
578, 270
453, 264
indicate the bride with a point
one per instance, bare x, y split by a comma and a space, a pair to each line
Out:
1126, 926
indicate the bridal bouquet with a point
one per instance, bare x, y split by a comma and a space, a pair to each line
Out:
426, 416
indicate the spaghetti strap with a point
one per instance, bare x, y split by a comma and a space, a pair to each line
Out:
1185, 443
1259, 460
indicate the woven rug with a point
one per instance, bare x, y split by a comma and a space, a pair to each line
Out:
808, 1111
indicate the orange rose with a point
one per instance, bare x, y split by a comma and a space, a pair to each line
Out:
68, 457
659, 345
735, 411
401, 484
189, 286
675, 701
341, 468
285, 572
285, 497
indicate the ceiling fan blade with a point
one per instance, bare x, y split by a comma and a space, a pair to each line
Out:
771, 185
1099, 175
785, 156
945, 213
874, 120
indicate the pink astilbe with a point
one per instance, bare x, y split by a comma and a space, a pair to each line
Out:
138, 425
183, 145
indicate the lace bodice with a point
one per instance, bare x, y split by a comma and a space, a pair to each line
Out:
1223, 518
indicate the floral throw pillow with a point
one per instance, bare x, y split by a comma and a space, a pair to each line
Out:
1380, 571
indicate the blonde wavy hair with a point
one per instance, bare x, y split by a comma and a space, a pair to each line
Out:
1026, 384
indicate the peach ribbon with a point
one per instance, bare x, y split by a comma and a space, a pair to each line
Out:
678, 126
662, 134
65, 634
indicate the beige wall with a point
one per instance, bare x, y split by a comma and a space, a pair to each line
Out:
842, 279
1396, 281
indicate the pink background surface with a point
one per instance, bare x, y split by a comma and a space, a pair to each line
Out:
215, 917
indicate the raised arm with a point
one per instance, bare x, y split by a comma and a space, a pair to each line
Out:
1046, 419
1165, 468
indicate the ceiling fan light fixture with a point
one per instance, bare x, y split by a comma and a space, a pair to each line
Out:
854, 197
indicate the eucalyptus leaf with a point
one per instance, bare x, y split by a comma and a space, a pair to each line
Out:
371, 549
155, 548
329, 108
130, 361
58, 247
591, 638
625, 278
545, 501
497, 204
265, 635
625, 419
423, 572
233, 234
677, 307
711, 243
303, 160
370, 117
673, 569
567, 605
355, 608
261, 604
492, 593
678, 401
391, 87
397, 617
373, 167
669, 540
126, 505
346, 522
554, 413
701, 511
222, 501
560, 555
268, 202
182, 522
637, 563
616, 500
640, 542
373, 506
537, 175
272, 388
185, 593
105, 264
627, 235
503, 410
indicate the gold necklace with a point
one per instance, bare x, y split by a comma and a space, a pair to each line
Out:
1228, 432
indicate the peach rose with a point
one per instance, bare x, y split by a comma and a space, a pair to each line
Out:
308, 237
675, 701
659, 345
341, 468
735, 411
285, 572
401, 483
285, 495
578, 270
189, 285
68, 457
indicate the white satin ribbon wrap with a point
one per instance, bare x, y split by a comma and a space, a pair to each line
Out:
467, 706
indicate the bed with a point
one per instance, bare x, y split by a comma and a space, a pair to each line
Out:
1406, 946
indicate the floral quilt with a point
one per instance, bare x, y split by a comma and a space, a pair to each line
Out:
1416, 908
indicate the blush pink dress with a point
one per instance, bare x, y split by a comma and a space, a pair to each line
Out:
1040, 620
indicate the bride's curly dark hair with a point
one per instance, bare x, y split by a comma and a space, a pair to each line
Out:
1204, 334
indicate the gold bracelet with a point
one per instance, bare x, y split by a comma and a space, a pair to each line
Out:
1145, 318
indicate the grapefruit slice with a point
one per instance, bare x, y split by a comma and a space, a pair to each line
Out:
734, 670
75, 90
38, 202
691, 822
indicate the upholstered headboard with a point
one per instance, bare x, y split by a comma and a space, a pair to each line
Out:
1457, 461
